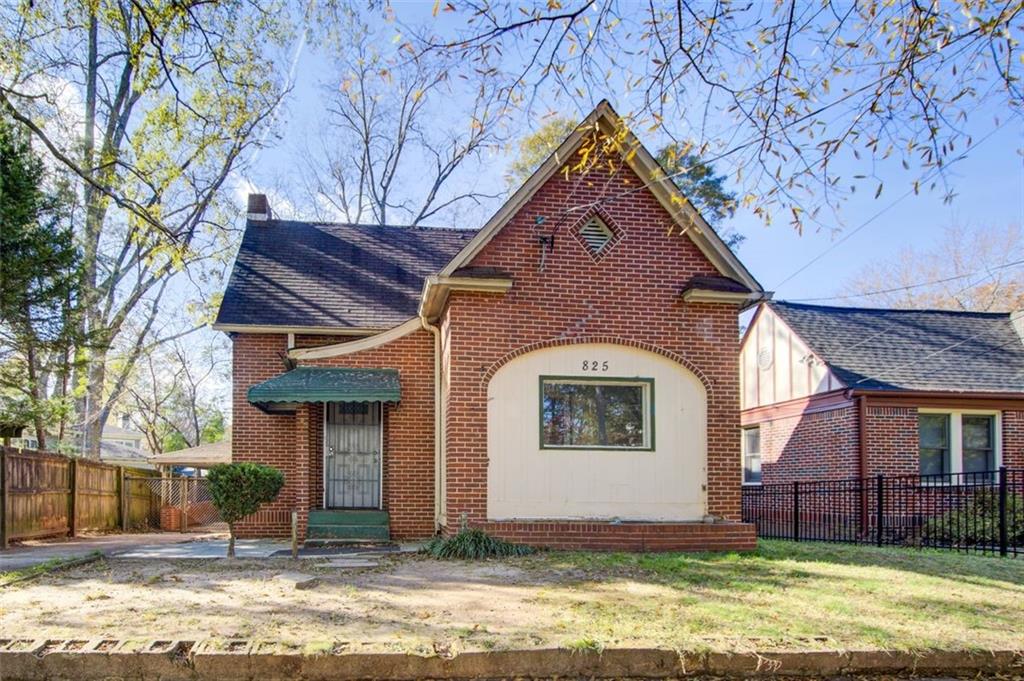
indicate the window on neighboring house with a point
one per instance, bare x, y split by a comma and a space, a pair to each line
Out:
933, 439
979, 442
578, 413
752, 456
957, 442
596, 234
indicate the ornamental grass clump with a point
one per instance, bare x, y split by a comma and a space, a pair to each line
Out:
473, 545
239, 489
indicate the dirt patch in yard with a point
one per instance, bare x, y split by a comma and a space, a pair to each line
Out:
782, 597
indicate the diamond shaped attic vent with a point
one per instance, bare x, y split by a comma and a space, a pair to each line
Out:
596, 234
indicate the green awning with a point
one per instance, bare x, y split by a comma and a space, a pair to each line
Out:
316, 384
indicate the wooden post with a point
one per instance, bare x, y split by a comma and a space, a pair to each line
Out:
73, 512
295, 535
184, 503
123, 489
5, 521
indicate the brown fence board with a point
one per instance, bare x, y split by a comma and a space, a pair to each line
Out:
44, 494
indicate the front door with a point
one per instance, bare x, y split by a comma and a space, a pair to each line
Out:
352, 455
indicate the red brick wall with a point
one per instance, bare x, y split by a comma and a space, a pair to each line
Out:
892, 440
632, 293
260, 437
1013, 439
821, 445
294, 444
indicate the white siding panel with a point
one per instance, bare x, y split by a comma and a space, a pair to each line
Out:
527, 482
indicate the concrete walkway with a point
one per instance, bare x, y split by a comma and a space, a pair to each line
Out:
34, 552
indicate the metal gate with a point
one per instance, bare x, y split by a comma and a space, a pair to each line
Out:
352, 455
176, 504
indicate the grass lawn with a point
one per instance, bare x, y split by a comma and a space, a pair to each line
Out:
785, 595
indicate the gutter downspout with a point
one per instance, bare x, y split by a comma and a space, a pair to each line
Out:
438, 414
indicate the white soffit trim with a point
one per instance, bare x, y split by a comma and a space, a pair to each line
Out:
437, 287
647, 167
338, 349
706, 296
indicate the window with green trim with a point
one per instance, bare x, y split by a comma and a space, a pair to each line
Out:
599, 413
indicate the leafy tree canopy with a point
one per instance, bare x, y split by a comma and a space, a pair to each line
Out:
696, 179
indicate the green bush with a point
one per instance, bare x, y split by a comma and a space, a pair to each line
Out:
977, 521
474, 545
239, 489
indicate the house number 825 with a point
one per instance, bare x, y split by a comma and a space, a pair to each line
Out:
595, 365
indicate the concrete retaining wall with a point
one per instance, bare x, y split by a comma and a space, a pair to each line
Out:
52, 660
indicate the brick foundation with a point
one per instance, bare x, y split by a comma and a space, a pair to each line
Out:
631, 536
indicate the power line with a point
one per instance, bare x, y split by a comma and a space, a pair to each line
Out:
886, 209
897, 289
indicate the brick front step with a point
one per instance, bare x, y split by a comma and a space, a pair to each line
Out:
339, 525
627, 536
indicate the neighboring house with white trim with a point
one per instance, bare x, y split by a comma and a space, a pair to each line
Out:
842, 392
567, 375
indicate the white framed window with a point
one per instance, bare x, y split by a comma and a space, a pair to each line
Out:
962, 441
596, 413
752, 456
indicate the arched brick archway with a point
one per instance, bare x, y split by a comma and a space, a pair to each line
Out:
613, 340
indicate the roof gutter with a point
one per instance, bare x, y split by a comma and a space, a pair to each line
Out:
936, 394
436, 289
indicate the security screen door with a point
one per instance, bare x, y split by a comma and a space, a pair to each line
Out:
352, 439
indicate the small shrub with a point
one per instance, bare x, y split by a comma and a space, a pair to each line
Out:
473, 545
239, 489
977, 521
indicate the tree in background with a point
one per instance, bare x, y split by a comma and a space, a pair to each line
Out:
39, 279
783, 96
400, 133
696, 180
150, 108
979, 269
239, 489
173, 396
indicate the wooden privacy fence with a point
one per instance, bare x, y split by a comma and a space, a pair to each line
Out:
46, 495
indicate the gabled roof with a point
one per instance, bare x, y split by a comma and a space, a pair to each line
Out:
332, 276
925, 350
647, 168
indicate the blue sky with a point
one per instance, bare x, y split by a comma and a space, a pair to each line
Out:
989, 184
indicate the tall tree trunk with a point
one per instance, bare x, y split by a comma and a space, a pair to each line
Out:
33, 378
91, 359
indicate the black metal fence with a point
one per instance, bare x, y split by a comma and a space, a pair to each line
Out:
981, 512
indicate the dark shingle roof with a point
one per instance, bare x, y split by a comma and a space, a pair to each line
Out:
912, 349
306, 274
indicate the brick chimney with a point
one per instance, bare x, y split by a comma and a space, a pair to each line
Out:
259, 208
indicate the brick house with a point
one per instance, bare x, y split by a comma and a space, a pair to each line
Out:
563, 377
839, 392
